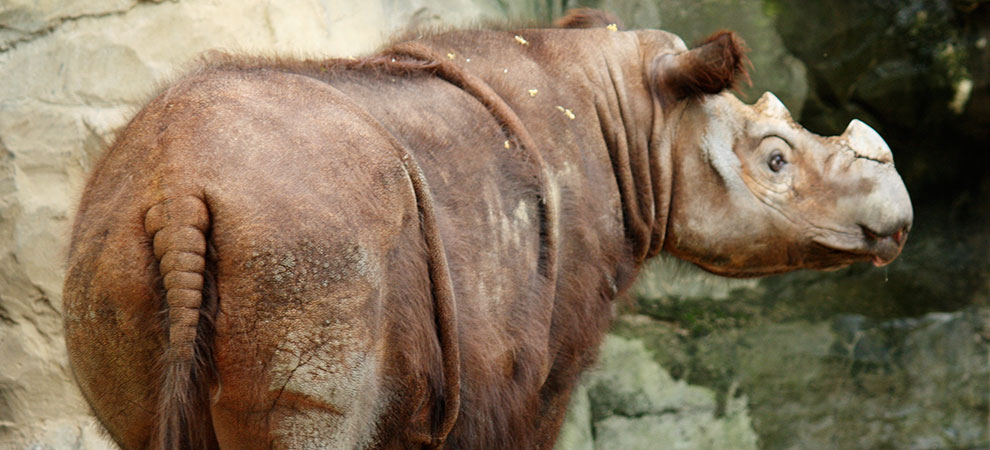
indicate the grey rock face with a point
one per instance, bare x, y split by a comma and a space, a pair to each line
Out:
577, 434
850, 382
635, 404
931, 373
22, 21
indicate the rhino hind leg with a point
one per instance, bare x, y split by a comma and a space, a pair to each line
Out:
299, 349
327, 398
117, 331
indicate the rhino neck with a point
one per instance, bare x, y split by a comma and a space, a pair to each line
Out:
634, 128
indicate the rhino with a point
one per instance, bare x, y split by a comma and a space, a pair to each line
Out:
421, 248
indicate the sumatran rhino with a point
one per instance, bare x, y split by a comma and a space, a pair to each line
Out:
419, 248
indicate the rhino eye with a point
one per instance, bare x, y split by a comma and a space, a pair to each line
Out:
776, 162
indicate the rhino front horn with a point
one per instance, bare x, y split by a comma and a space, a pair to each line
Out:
866, 142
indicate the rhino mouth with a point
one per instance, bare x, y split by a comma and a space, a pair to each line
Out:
885, 247
841, 249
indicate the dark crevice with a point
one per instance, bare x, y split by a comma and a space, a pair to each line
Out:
5, 316
858, 156
54, 25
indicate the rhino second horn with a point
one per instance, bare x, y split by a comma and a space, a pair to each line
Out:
866, 142
770, 105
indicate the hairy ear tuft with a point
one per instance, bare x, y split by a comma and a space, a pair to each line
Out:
719, 63
587, 18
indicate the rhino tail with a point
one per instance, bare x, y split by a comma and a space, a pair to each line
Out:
179, 228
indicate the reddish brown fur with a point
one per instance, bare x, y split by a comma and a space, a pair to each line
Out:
588, 18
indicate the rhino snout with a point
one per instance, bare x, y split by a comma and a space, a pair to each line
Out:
876, 204
885, 217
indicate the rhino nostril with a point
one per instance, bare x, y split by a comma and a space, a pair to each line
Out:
900, 235
870, 234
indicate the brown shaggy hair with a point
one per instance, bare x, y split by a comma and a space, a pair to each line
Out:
587, 18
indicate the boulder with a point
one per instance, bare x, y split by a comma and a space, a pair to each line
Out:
576, 433
633, 403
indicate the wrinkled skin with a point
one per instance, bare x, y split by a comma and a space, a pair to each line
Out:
287, 194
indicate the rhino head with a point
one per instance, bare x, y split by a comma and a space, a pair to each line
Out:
754, 193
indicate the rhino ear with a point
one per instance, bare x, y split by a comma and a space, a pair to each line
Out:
588, 18
719, 63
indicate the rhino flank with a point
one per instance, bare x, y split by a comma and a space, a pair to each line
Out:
418, 249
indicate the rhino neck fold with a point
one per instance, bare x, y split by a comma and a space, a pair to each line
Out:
639, 149
662, 171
